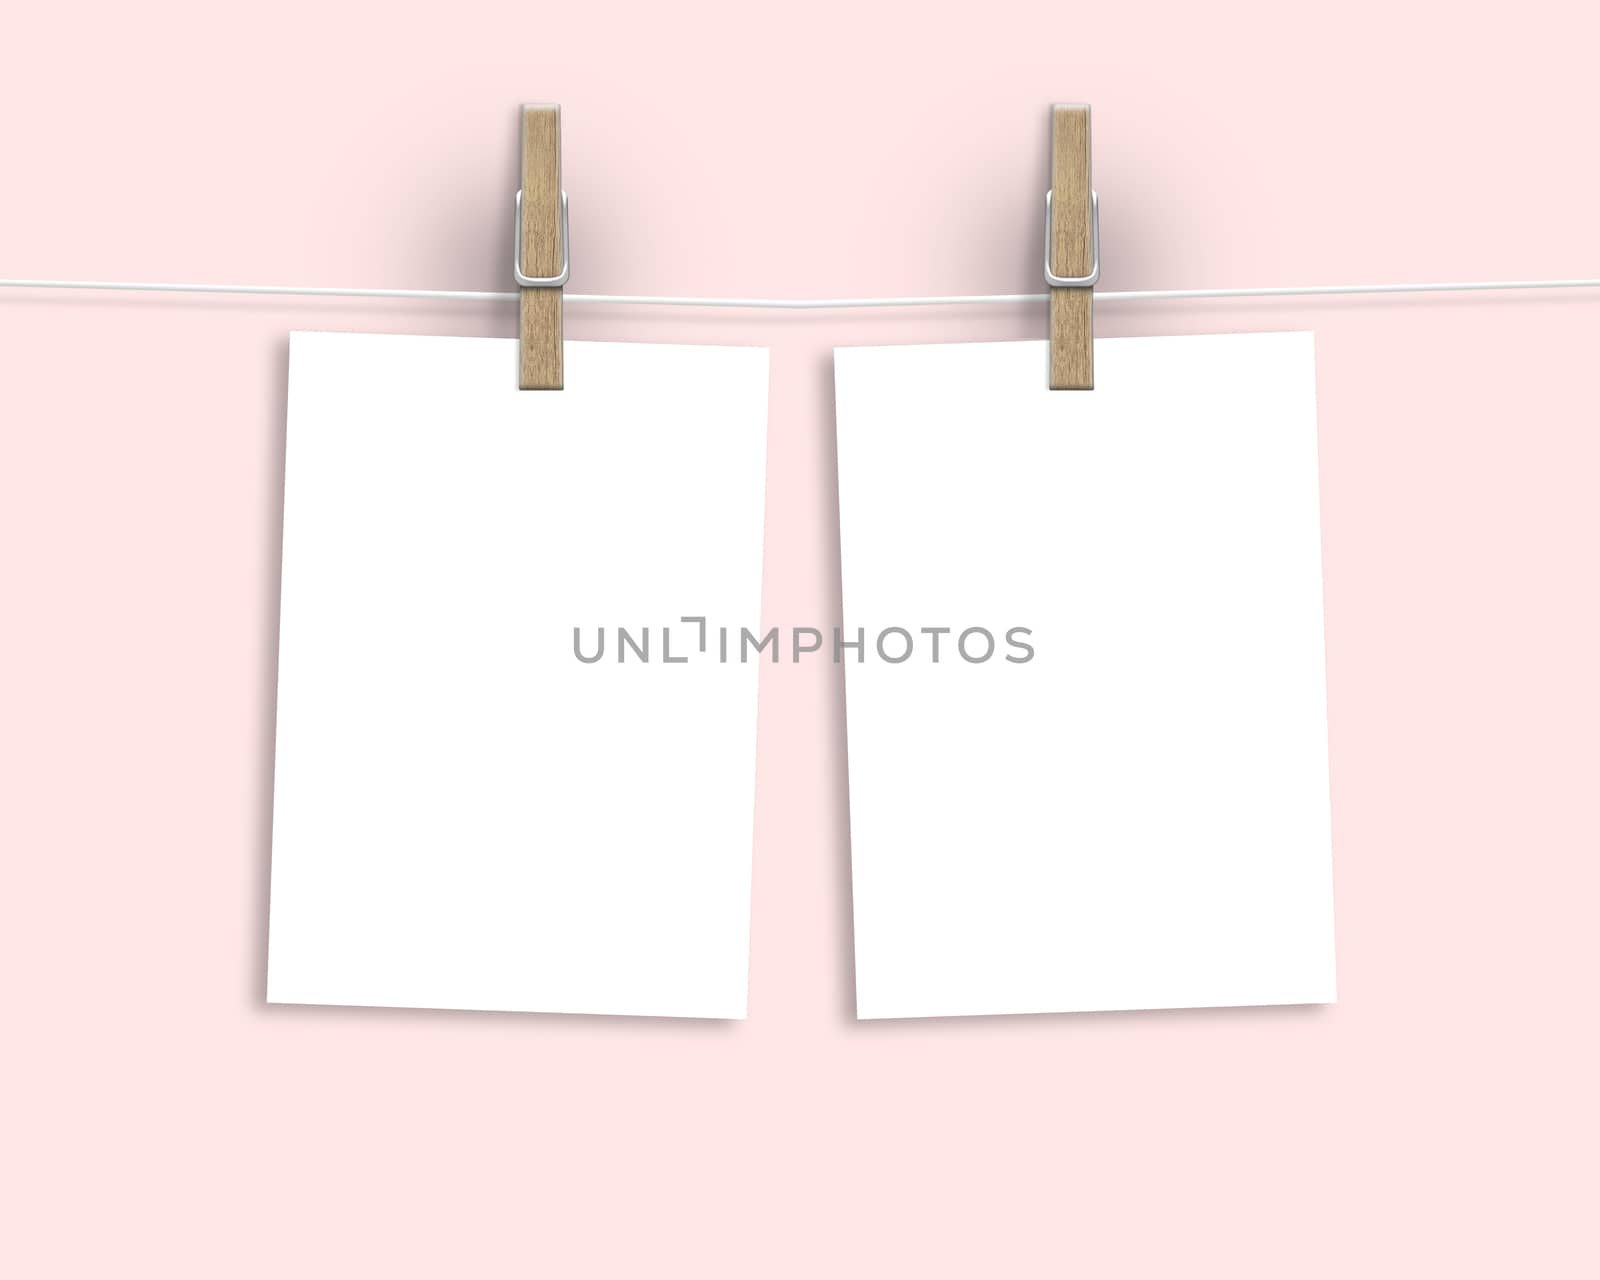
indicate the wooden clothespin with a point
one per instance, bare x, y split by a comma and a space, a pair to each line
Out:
1072, 251
542, 250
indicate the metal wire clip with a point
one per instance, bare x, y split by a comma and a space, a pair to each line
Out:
1050, 277
560, 278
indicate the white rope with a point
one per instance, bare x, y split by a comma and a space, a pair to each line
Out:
807, 304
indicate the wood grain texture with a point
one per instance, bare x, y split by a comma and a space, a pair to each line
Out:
540, 340
1071, 310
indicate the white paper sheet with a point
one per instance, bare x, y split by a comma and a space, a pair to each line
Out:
1137, 816
465, 815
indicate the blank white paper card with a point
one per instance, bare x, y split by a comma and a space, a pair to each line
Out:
465, 814
1110, 788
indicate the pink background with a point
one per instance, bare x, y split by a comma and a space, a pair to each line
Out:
159, 1119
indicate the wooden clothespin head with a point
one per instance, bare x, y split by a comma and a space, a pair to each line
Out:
1072, 250
542, 256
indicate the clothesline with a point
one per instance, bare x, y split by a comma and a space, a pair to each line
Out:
808, 304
